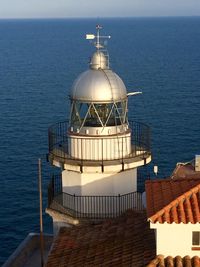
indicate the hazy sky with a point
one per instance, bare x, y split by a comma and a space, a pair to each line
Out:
97, 8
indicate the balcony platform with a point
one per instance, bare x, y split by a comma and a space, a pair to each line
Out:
60, 150
79, 208
55, 157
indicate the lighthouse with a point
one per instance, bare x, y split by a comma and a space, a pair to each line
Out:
98, 149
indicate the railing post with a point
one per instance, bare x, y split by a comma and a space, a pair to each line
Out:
49, 195
41, 212
102, 167
134, 139
81, 168
74, 203
123, 153
49, 141
61, 184
119, 208
149, 139
53, 193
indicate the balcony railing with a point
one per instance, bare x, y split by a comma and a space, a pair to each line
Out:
60, 145
91, 207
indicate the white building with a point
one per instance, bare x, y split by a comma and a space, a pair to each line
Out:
98, 150
173, 209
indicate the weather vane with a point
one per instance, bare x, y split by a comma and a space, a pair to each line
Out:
98, 37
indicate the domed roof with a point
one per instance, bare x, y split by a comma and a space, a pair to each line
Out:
98, 85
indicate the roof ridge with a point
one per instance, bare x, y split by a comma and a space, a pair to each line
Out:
161, 260
172, 180
175, 202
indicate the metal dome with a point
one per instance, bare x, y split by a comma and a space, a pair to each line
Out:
102, 85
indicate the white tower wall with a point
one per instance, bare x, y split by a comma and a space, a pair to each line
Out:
95, 148
96, 184
109, 186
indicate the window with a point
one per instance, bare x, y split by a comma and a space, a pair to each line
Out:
196, 238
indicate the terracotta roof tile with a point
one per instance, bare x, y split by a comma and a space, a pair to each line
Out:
177, 261
126, 241
173, 200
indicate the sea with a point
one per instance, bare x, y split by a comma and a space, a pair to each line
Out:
39, 60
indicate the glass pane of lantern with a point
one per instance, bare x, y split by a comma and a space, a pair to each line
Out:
75, 118
121, 111
111, 121
83, 109
92, 119
103, 111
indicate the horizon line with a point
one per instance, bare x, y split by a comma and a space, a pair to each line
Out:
107, 17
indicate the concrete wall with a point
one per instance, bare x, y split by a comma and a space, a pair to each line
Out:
27, 253
175, 239
110, 184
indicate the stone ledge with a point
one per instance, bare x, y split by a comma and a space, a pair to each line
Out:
58, 216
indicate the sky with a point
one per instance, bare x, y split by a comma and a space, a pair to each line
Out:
97, 8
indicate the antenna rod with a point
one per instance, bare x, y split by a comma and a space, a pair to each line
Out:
41, 220
98, 27
97, 38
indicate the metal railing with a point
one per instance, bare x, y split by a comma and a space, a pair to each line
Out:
59, 144
54, 188
91, 207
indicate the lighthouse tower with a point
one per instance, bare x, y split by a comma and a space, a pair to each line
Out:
98, 149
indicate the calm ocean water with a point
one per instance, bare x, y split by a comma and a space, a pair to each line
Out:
39, 59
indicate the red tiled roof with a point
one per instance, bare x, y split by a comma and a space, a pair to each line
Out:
173, 200
160, 261
126, 241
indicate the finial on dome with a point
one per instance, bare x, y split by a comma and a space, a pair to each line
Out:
100, 59
98, 44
